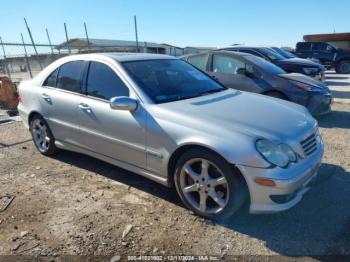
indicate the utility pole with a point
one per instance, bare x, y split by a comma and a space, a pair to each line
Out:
5, 63
87, 36
26, 57
65, 29
31, 38
48, 38
137, 39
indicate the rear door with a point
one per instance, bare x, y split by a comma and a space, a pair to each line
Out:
117, 134
199, 61
224, 68
303, 50
60, 98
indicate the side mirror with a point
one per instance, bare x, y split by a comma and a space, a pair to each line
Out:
242, 71
123, 103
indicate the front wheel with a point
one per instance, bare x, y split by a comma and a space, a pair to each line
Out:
208, 185
343, 67
42, 136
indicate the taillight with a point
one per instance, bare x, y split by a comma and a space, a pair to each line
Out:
18, 97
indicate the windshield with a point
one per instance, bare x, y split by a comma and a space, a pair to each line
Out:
264, 65
271, 54
166, 80
283, 52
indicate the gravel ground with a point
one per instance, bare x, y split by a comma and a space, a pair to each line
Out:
71, 204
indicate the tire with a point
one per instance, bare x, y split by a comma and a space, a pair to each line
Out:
42, 136
343, 67
276, 94
225, 184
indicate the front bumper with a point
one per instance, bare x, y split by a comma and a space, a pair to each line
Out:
291, 184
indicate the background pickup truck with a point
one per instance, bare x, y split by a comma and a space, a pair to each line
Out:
327, 54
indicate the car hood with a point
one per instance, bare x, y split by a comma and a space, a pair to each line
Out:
234, 111
300, 61
343, 51
304, 79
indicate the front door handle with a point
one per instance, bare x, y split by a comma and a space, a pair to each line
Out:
85, 107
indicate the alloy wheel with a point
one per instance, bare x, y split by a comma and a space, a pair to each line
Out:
204, 186
40, 135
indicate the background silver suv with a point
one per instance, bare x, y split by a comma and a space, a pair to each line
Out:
163, 119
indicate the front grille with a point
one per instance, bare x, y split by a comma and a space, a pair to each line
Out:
309, 144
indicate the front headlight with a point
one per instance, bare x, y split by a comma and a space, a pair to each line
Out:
310, 70
305, 86
279, 155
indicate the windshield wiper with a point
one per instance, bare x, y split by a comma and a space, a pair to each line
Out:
177, 98
211, 91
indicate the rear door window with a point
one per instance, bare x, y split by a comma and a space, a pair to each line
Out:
199, 61
70, 75
104, 83
319, 46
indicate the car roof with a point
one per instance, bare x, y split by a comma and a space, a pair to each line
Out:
220, 52
244, 46
123, 57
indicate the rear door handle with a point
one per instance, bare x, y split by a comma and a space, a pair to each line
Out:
46, 97
85, 107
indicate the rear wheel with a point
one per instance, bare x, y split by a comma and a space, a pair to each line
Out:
42, 136
343, 67
208, 185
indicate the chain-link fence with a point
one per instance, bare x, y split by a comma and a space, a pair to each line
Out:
20, 62
24, 61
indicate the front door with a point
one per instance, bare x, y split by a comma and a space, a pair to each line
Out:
225, 67
118, 134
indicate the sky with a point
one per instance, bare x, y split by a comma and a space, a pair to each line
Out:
178, 22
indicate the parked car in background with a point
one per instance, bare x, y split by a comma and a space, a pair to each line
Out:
328, 54
288, 54
162, 118
251, 73
290, 65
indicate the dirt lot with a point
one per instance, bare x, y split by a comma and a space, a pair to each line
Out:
72, 204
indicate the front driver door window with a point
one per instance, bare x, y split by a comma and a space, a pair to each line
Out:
118, 134
224, 69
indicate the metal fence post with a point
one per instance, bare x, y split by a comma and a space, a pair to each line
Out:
87, 36
65, 29
26, 57
137, 39
48, 37
5, 63
31, 38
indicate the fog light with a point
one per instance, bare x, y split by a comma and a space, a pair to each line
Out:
265, 182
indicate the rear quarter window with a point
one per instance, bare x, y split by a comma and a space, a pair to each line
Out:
51, 80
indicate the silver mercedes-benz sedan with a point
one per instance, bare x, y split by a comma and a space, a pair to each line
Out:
161, 118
